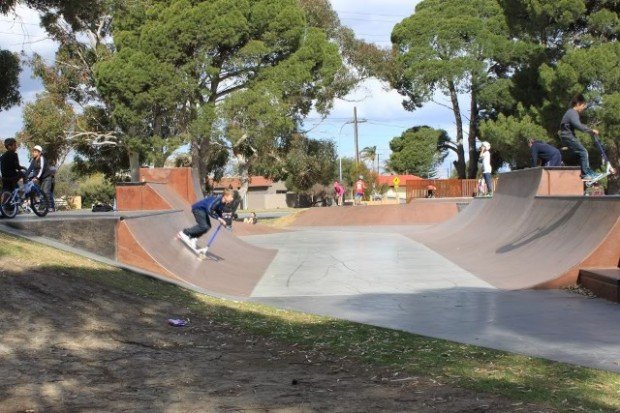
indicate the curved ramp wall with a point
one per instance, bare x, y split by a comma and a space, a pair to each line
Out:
233, 267
523, 238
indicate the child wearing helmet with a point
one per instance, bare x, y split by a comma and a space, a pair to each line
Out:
485, 158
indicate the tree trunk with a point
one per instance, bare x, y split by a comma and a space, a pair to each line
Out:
134, 165
613, 183
243, 166
199, 149
459, 164
473, 134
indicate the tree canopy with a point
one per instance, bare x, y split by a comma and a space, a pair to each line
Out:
465, 50
176, 59
418, 151
9, 80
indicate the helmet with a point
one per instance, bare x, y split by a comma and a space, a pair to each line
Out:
38, 148
486, 145
361, 177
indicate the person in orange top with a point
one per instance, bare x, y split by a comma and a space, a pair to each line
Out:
359, 188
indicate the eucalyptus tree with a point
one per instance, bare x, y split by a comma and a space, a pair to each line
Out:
73, 13
46, 121
459, 48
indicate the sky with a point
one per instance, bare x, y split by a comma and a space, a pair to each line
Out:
379, 107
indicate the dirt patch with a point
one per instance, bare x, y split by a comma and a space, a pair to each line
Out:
69, 344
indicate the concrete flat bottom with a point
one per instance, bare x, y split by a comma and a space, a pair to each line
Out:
382, 278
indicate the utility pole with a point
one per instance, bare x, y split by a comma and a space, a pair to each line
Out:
356, 134
357, 149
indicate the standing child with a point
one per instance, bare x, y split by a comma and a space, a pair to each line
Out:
485, 158
360, 188
570, 122
210, 206
40, 172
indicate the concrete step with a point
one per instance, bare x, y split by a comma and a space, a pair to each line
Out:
603, 282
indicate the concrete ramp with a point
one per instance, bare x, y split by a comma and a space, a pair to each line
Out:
233, 266
527, 236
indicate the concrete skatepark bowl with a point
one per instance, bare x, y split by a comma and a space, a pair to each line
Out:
423, 267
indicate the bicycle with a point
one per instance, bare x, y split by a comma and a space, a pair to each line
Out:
11, 202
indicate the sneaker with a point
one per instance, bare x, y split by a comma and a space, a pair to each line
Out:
192, 242
591, 176
183, 236
203, 251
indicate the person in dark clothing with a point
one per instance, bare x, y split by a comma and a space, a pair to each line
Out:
570, 122
211, 206
548, 155
12, 171
39, 171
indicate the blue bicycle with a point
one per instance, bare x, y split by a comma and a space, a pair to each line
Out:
11, 202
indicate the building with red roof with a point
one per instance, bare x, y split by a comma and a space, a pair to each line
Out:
263, 193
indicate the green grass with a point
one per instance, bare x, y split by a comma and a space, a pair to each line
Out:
523, 379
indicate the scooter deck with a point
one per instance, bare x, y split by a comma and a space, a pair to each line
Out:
198, 254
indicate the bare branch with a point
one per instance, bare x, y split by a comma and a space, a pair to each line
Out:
97, 138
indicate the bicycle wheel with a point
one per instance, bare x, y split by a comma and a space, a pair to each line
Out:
7, 206
38, 202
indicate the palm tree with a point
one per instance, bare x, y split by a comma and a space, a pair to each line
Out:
369, 153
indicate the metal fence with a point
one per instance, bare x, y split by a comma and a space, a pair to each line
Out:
445, 188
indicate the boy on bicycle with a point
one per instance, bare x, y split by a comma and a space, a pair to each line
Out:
12, 171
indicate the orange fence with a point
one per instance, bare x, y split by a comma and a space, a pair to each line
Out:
445, 188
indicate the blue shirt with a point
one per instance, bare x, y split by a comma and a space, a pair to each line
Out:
212, 204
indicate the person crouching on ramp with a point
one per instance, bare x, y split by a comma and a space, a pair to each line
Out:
210, 206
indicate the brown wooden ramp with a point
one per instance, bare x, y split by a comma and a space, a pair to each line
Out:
233, 268
422, 211
525, 237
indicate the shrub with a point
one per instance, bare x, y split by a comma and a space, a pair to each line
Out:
95, 188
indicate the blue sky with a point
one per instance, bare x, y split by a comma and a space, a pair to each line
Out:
379, 106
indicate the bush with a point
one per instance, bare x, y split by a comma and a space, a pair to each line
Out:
95, 188
65, 181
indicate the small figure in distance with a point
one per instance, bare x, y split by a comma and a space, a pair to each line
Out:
12, 171
210, 206
548, 155
252, 219
430, 191
485, 158
339, 192
570, 121
360, 188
